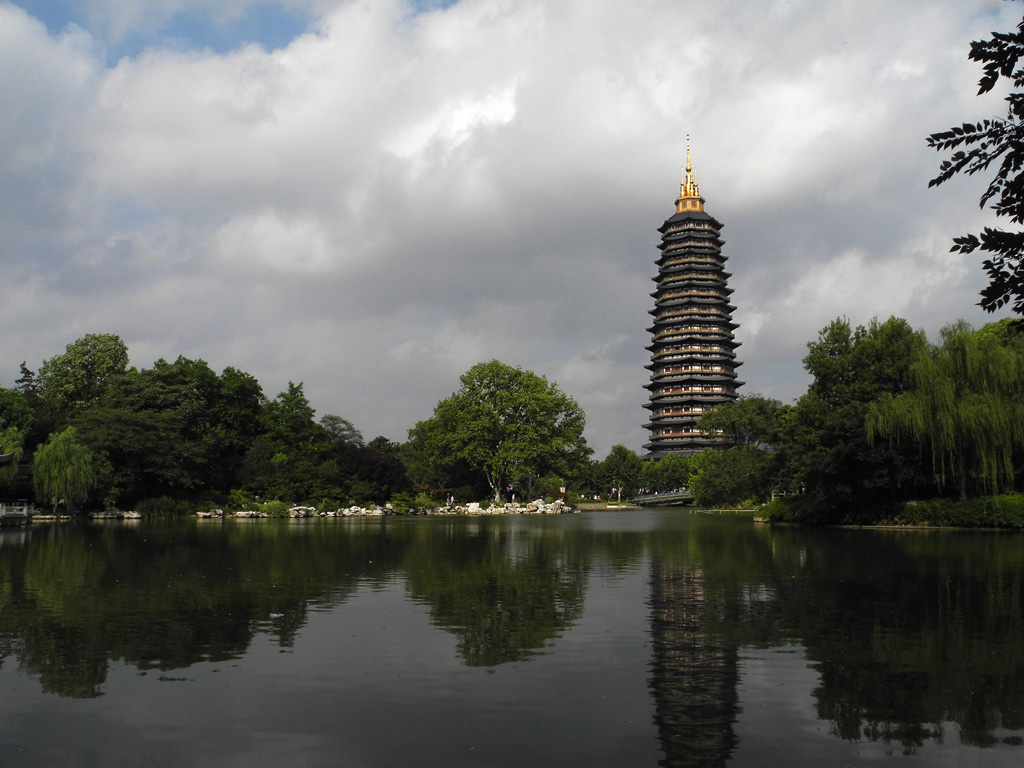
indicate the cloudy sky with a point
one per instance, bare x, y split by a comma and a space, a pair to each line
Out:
370, 196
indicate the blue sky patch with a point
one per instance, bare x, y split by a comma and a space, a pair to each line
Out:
269, 25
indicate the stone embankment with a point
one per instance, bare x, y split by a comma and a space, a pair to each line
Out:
538, 507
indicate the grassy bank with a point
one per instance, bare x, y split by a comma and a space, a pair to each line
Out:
1003, 511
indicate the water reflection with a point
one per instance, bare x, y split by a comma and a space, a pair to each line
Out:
916, 639
504, 592
694, 672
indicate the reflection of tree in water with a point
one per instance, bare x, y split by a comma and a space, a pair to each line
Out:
165, 597
73, 599
694, 673
503, 591
908, 631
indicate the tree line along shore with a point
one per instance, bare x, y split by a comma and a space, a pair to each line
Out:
893, 429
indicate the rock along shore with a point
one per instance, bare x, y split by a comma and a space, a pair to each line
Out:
538, 507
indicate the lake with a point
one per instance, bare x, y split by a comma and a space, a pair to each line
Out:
658, 637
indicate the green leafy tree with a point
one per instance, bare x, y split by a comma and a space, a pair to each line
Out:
11, 448
15, 410
976, 147
341, 430
176, 429
668, 474
824, 448
752, 420
726, 478
504, 422
288, 421
966, 410
620, 471
70, 382
26, 383
382, 445
64, 470
291, 459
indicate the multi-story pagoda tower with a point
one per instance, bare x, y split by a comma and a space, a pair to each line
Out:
693, 349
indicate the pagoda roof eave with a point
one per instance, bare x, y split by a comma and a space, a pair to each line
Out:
684, 215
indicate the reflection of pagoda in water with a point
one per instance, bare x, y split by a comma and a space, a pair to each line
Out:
694, 674
693, 349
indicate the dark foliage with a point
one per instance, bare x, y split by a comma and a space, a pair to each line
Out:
976, 147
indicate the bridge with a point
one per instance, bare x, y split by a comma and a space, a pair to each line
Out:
16, 513
674, 498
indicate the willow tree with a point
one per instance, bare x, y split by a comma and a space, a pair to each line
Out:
64, 470
966, 409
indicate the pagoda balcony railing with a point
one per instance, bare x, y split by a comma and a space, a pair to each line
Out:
677, 350
682, 331
690, 225
666, 413
714, 294
705, 310
683, 277
708, 312
694, 390
694, 360
673, 351
672, 259
704, 328
681, 353
691, 368
680, 433
681, 377
702, 242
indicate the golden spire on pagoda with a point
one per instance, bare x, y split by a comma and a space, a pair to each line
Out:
689, 194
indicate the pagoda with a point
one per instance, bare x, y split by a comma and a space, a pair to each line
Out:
693, 347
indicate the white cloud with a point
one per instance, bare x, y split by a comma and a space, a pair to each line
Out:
395, 196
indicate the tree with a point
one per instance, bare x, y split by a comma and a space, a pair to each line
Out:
72, 381
64, 470
620, 471
978, 146
26, 383
824, 447
175, 429
341, 430
288, 421
504, 422
668, 474
725, 478
750, 421
966, 409
15, 410
382, 445
11, 448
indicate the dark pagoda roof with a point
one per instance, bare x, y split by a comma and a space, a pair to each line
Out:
687, 215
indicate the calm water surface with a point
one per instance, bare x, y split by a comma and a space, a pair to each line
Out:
655, 637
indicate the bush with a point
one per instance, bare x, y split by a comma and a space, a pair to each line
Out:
809, 509
1004, 511
165, 506
402, 502
274, 508
240, 499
